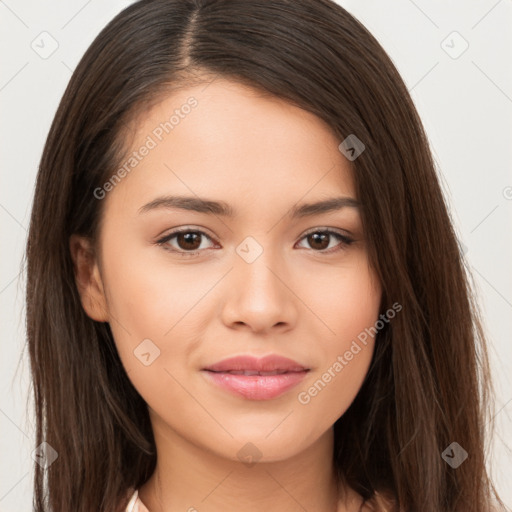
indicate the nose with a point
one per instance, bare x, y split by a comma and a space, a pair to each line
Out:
260, 296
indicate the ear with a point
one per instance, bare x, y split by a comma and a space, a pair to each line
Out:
88, 278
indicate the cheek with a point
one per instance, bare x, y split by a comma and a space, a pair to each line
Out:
343, 300
347, 303
151, 322
148, 295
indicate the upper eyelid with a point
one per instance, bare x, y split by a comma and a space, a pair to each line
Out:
325, 228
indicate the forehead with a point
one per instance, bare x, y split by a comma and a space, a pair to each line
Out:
226, 140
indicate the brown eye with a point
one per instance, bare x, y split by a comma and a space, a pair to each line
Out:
320, 240
185, 242
189, 241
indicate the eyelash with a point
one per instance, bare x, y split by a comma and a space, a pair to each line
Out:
345, 241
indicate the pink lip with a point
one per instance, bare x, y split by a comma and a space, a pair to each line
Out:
256, 387
264, 364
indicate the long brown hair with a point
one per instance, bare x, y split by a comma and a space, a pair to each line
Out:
429, 382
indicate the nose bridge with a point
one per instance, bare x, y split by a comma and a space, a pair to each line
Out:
257, 265
260, 298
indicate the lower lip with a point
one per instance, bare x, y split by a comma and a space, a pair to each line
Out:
256, 387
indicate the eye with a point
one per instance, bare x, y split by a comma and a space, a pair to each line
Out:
321, 239
188, 241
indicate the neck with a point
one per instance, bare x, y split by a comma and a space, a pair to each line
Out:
191, 478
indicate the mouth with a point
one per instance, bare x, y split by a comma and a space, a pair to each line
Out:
255, 378
254, 385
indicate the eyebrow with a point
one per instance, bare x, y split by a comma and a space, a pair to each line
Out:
222, 208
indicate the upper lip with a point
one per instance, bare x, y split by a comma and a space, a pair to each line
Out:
268, 363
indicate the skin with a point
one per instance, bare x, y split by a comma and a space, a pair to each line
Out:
262, 156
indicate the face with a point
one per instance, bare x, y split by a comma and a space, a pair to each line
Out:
256, 274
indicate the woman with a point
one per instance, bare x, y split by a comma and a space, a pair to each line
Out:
192, 346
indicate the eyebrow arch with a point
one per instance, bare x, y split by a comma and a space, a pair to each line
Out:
222, 208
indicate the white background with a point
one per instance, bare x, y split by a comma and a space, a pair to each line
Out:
466, 107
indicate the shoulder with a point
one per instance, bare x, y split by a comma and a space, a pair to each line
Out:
135, 504
350, 501
354, 502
